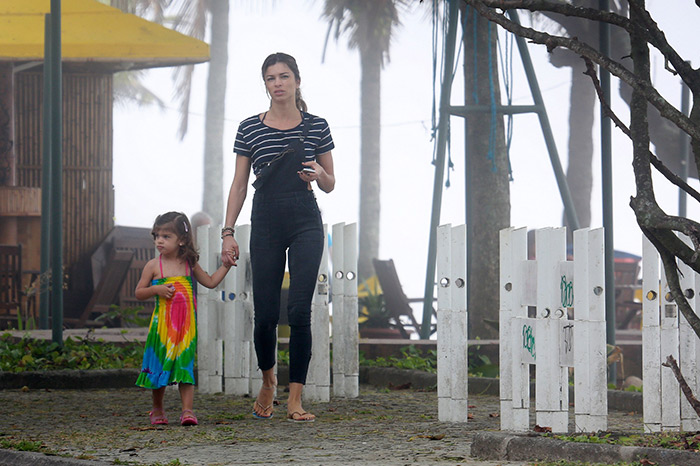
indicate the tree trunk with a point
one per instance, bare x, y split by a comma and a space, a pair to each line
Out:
370, 131
488, 190
212, 202
579, 172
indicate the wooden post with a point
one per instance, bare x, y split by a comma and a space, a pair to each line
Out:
514, 373
590, 369
338, 293
352, 339
319, 380
651, 333
552, 387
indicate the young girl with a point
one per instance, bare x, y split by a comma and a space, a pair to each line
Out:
172, 338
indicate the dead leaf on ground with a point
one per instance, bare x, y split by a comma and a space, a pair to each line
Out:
646, 461
429, 437
470, 416
539, 428
495, 415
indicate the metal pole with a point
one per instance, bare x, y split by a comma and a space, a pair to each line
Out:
606, 165
57, 175
44, 281
684, 151
445, 93
569, 208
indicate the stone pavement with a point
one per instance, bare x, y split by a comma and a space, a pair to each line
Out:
383, 426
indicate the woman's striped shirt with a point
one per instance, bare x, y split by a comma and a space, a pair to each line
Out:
261, 143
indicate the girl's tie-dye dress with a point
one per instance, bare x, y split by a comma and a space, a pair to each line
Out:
169, 354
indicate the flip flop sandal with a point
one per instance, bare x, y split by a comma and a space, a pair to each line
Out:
301, 414
262, 408
188, 418
158, 418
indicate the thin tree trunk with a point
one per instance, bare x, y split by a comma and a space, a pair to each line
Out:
488, 189
215, 113
370, 132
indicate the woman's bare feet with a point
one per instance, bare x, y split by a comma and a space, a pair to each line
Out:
263, 406
295, 411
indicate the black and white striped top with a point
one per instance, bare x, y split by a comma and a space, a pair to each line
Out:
261, 143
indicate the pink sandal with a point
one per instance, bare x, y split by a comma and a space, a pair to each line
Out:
188, 418
158, 418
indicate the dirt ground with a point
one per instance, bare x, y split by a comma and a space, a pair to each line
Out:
384, 427
379, 427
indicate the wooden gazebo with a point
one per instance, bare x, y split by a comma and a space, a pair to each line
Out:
97, 41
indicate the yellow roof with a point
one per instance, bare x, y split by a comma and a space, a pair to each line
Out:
93, 32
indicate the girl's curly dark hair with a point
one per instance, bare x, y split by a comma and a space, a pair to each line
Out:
178, 223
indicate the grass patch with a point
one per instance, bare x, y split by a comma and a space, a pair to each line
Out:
672, 440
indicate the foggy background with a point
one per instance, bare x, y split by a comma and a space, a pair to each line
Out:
155, 172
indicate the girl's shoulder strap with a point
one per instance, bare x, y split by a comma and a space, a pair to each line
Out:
160, 263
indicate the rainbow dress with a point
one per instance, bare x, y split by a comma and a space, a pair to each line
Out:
169, 355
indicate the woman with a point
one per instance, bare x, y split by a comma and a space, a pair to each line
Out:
288, 149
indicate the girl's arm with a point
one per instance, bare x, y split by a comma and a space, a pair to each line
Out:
144, 290
210, 281
236, 196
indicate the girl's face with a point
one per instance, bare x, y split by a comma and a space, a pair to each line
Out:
280, 82
167, 241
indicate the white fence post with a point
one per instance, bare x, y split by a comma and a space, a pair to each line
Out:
337, 293
590, 368
238, 342
666, 333
552, 396
209, 339
551, 341
351, 328
319, 379
452, 316
514, 374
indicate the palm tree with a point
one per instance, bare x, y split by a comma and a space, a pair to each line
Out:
369, 26
191, 19
488, 177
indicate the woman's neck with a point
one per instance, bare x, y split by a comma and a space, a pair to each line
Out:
282, 117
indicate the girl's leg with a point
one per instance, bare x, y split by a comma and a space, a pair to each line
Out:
186, 395
158, 395
187, 418
157, 414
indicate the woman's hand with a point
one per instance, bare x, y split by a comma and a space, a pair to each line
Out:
229, 251
307, 175
164, 291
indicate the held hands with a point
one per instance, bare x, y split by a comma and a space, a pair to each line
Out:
229, 251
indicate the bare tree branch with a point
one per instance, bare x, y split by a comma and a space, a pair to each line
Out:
671, 363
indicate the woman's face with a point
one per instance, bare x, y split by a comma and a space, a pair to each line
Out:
280, 82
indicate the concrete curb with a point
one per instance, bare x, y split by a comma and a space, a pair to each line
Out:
532, 447
28, 458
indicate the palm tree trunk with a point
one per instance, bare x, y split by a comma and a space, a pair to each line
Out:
579, 172
215, 112
370, 131
488, 189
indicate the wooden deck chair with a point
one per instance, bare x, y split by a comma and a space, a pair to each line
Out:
395, 299
107, 291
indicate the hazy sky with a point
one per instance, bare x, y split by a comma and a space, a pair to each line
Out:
155, 172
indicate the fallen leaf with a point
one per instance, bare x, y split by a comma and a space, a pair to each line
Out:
471, 406
645, 461
470, 416
542, 429
494, 415
429, 437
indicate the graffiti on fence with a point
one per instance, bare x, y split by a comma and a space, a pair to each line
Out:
567, 292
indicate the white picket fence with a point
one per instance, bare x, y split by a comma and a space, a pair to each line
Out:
452, 321
226, 358
551, 340
665, 332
